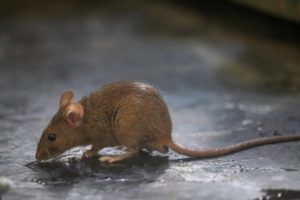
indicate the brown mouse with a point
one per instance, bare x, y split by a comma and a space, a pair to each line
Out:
128, 114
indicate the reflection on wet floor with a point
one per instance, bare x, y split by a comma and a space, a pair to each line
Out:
224, 78
144, 168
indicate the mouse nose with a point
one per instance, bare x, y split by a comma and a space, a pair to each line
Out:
41, 155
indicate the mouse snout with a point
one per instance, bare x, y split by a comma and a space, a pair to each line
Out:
42, 154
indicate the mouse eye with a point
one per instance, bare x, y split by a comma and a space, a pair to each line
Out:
52, 137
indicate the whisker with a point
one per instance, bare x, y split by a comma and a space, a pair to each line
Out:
34, 136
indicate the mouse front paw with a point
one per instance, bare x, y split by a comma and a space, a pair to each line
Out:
88, 154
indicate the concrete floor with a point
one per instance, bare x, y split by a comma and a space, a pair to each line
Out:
224, 83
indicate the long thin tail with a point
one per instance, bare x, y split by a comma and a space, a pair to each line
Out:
215, 152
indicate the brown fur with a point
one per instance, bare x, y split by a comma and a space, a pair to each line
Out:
128, 114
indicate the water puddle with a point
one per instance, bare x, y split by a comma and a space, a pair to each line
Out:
139, 169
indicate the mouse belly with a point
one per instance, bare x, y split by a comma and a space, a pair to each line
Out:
142, 123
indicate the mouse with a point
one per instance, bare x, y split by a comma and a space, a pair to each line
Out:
125, 114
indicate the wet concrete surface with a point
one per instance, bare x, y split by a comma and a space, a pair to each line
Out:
222, 84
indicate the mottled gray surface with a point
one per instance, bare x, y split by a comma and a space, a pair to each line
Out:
211, 103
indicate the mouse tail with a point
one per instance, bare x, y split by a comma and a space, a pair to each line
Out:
215, 152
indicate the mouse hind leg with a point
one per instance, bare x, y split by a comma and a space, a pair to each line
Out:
140, 124
163, 148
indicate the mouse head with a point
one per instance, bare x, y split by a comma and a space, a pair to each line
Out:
61, 133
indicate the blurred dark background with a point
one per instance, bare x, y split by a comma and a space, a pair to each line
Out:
269, 31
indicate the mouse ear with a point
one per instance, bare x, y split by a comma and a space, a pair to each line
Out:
74, 114
66, 98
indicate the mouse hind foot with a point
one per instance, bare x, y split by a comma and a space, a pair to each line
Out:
117, 158
160, 146
162, 149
